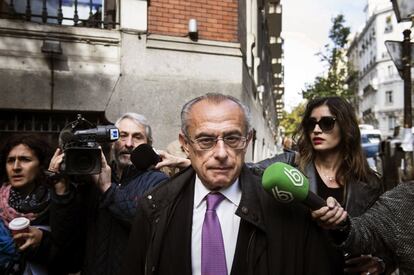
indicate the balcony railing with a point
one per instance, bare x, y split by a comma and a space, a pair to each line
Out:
81, 13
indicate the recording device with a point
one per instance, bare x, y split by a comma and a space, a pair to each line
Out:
144, 156
80, 143
288, 184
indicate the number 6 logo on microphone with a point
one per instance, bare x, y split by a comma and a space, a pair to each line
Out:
282, 196
294, 175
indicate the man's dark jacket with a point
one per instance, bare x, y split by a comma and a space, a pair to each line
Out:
104, 220
273, 238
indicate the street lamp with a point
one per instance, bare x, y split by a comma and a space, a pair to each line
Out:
404, 11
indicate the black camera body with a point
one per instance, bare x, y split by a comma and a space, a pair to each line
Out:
82, 160
80, 144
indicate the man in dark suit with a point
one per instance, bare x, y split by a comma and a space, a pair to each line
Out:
215, 217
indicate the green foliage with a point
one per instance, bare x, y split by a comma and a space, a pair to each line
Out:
292, 120
333, 83
339, 33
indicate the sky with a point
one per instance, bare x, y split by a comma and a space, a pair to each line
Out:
305, 30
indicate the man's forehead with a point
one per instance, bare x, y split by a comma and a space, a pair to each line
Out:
224, 116
215, 128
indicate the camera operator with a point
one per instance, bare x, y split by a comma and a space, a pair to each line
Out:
106, 203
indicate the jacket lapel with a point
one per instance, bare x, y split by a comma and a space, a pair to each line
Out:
251, 241
311, 174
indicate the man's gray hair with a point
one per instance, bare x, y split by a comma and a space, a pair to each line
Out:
140, 119
214, 98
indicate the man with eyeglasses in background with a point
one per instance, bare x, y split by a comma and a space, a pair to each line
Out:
215, 217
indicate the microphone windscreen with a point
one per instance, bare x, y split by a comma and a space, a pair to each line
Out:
66, 135
285, 182
144, 156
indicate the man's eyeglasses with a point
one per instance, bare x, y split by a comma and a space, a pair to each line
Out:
208, 143
326, 123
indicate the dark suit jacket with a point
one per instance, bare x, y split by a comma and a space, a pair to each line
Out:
273, 238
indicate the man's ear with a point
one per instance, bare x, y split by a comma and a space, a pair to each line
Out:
249, 137
184, 143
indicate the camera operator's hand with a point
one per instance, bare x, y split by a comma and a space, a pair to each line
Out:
54, 166
103, 179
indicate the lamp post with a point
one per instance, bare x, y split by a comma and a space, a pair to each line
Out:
404, 11
406, 75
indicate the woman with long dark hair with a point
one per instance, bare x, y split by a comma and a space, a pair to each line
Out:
330, 155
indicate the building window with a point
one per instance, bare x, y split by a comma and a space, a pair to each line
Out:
390, 70
391, 122
388, 24
388, 97
46, 124
84, 13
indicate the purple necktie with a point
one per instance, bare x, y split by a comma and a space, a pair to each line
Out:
213, 257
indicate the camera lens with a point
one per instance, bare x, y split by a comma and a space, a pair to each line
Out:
82, 161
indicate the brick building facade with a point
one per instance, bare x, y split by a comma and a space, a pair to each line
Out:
217, 20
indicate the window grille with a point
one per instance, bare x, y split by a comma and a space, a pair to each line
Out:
81, 13
43, 122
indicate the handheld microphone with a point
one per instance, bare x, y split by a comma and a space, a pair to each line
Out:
144, 156
288, 184
66, 135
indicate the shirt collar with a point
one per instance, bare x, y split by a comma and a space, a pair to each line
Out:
232, 192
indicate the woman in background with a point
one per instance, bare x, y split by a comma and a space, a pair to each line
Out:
331, 156
25, 193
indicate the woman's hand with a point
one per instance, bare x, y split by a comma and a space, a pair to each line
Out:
330, 216
365, 264
31, 239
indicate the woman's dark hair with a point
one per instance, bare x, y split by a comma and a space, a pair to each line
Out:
354, 165
38, 145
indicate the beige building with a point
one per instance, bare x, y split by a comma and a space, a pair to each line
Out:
66, 57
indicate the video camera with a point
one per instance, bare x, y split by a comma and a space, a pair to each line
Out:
80, 143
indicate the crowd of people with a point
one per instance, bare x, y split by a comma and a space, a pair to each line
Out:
213, 216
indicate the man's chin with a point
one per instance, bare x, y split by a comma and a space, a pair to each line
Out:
123, 162
218, 183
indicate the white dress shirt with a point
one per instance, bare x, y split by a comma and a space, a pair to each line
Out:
229, 222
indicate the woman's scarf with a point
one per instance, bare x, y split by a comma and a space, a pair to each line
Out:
13, 205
